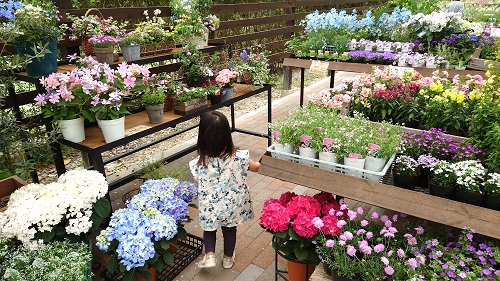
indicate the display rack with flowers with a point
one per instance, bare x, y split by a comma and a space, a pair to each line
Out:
84, 27
38, 32
296, 222
139, 237
69, 208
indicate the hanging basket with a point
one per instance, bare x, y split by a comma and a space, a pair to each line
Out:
87, 47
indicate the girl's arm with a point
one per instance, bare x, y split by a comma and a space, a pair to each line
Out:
253, 166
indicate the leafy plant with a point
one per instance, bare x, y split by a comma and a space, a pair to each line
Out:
188, 94
155, 96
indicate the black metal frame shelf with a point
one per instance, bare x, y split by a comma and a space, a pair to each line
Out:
188, 250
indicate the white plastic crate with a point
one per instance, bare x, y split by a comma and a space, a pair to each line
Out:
335, 167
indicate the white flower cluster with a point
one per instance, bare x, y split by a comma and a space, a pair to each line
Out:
434, 22
39, 207
470, 174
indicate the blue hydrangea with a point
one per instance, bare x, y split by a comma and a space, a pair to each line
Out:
8, 8
187, 191
174, 206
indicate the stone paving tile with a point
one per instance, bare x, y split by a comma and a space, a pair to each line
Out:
268, 274
266, 255
251, 273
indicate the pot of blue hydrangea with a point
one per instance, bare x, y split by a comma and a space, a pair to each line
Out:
492, 188
405, 172
139, 237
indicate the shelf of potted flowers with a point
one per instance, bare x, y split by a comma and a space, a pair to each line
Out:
37, 34
142, 237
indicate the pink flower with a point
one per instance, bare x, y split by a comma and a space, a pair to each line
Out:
420, 230
361, 231
330, 243
304, 203
374, 215
364, 223
367, 250
401, 253
379, 248
303, 226
341, 223
413, 263
384, 218
330, 226
351, 251
359, 210
275, 217
395, 218
385, 261
369, 235
352, 215
317, 222
286, 197
348, 235
389, 270
389, 254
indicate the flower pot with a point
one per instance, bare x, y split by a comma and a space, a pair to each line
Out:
298, 271
286, 148
376, 165
444, 191
169, 103
225, 95
356, 163
38, 66
72, 130
199, 41
104, 55
307, 154
405, 181
328, 157
468, 197
183, 108
7, 187
113, 129
423, 178
492, 201
151, 271
131, 52
155, 113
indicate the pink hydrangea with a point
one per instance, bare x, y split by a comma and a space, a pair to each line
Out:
271, 201
286, 197
275, 217
304, 226
304, 204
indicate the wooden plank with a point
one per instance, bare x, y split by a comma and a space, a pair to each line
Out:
436, 209
256, 35
250, 7
255, 21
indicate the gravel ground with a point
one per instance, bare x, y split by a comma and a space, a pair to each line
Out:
138, 160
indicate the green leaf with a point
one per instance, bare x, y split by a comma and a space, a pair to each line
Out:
181, 233
130, 276
165, 244
168, 258
158, 265
102, 207
113, 263
293, 234
96, 222
47, 235
282, 234
146, 275
301, 254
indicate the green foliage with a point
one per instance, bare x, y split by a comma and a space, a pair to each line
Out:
295, 247
423, 6
155, 96
159, 170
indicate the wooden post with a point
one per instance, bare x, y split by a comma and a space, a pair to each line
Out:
287, 71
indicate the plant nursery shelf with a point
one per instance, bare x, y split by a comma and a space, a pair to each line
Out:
436, 209
333, 66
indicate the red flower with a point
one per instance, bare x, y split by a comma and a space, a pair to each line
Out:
324, 197
304, 204
330, 226
286, 197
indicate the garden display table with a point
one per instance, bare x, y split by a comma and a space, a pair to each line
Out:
333, 66
137, 124
417, 204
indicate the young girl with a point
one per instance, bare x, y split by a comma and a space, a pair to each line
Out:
223, 195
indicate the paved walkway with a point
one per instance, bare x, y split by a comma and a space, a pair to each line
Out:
254, 254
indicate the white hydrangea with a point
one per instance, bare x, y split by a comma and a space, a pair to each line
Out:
38, 207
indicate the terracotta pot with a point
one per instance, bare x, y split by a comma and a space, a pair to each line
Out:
297, 271
151, 271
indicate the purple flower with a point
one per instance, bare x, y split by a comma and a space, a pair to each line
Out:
389, 270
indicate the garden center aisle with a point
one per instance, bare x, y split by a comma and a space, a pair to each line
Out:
254, 254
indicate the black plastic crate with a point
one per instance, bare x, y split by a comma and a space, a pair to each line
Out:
188, 250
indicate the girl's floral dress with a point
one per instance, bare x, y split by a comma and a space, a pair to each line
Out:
223, 195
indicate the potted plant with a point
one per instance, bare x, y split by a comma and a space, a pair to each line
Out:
104, 47
492, 189
189, 100
157, 37
130, 45
225, 80
153, 101
194, 68
425, 164
252, 67
88, 25
67, 209
58, 260
443, 179
296, 222
213, 91
139, 237
38, 33
469, 175
405, 172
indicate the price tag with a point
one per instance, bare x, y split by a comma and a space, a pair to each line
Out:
318, 67
400, 70
495, 32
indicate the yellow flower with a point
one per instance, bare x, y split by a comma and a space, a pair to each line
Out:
436, 87
460, 97
487, 74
